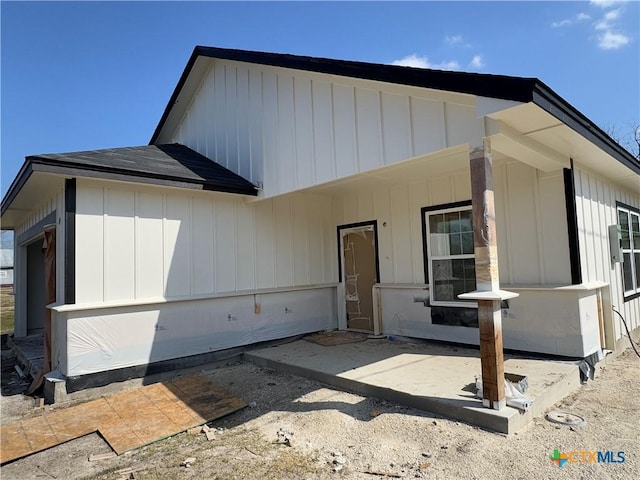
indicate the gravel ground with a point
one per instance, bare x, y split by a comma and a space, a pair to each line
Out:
333, 430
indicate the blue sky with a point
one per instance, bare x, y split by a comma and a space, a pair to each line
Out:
89, 75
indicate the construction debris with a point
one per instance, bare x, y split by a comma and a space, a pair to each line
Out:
211, 435
126, 474
382, 474
94, 457
20, 372
187, 462
284, 437
338, 461
566, 418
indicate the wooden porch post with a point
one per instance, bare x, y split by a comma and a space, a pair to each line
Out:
488, 293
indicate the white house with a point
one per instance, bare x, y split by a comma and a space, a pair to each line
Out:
281, 195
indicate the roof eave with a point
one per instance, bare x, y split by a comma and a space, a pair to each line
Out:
18, 182
545, 98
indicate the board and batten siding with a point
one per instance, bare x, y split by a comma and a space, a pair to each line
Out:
286, 130
596, 200
54, 203
136, 242
527, 200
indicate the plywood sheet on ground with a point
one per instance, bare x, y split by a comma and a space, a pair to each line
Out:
126, 420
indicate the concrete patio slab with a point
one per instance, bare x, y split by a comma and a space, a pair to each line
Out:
431, 377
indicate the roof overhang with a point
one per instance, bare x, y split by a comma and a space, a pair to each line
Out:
27, 192
41, 176
510, 92
534, 136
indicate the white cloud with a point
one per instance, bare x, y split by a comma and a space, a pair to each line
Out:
418, 61
477, 62
605, 25
412, 60
610, 40
450, 65
454, 40
567, 22
604, 3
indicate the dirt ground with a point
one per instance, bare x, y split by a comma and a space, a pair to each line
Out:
334, 430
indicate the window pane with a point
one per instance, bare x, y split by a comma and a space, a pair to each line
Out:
626, 240
437, 224
627, 272
442, 279
439, 245
457, 269
458, 288
635, 229
467, 243
455, 242
623, 220
453, 219
637, 258
465, 221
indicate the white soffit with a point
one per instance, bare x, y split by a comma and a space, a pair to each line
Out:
486, 106
529, 134
184, 99
519, 146
39, 187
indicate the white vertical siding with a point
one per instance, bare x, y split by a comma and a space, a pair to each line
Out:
54, 203
142, 242
535, 203
290, 130
596, 209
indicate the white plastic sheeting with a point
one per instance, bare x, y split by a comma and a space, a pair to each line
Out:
109, 338
557, 321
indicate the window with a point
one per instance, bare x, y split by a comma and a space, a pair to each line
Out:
629, 223
450, 259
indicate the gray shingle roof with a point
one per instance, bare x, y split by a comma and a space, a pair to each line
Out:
170, 162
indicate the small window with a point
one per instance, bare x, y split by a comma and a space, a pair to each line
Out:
451, 262
629, 223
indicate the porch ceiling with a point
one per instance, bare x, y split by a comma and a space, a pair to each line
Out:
413, 170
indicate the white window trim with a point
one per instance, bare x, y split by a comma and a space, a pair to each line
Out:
631, 251
436, 303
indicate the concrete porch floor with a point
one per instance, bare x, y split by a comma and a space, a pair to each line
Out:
431, 377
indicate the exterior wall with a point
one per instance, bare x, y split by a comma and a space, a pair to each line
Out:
596, 209
527, 200
31, 220
136, 242
533, 251
166, 273
288, 130
99, 339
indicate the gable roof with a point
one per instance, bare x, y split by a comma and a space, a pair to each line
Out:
171, 165
502, 87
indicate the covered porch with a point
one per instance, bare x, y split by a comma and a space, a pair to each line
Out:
429, 376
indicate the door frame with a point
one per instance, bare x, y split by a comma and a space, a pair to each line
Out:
341, 230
